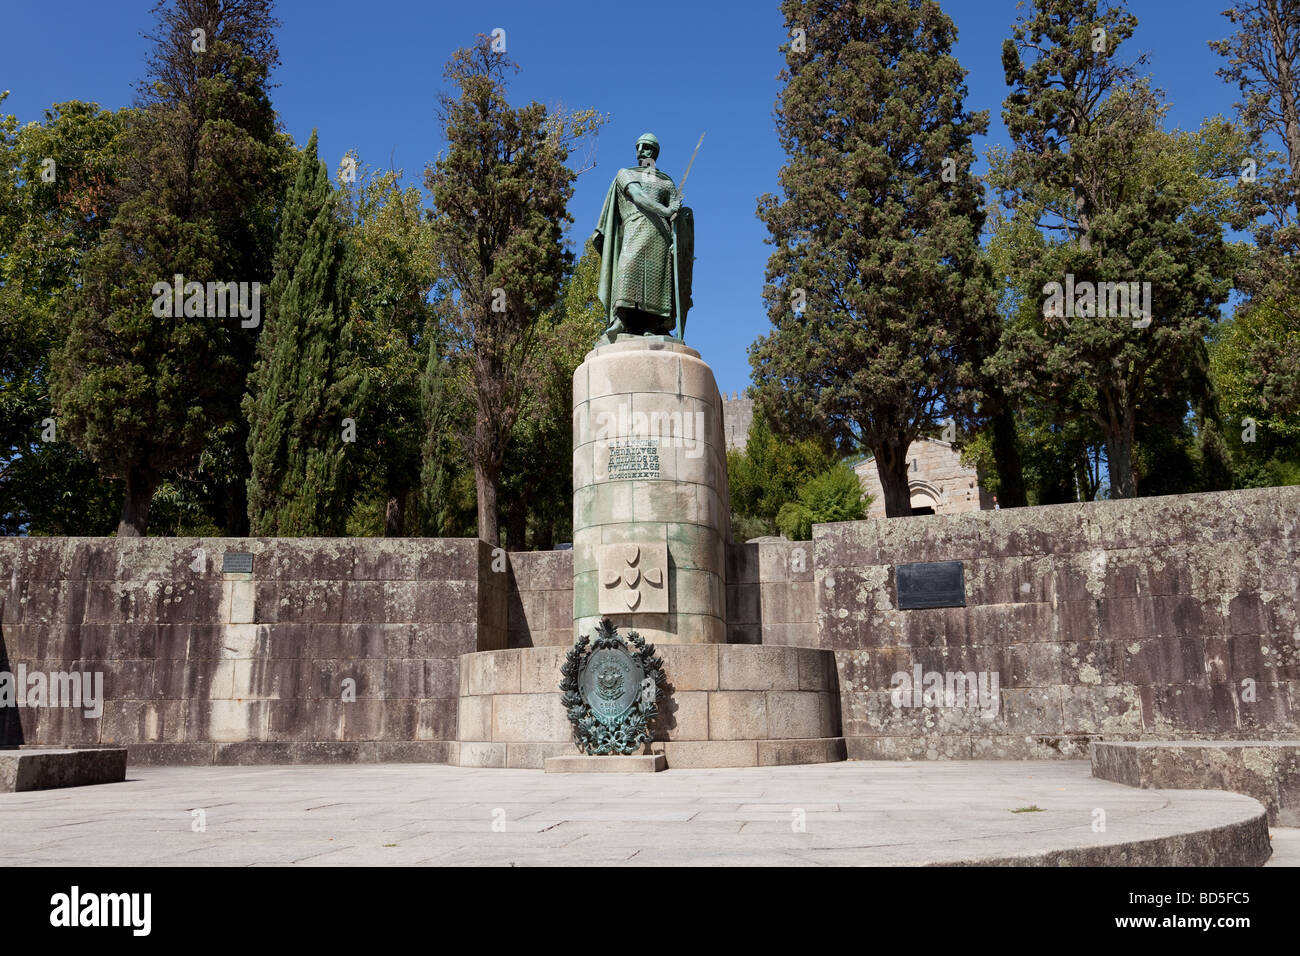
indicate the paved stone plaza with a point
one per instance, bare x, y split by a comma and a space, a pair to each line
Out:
876, 813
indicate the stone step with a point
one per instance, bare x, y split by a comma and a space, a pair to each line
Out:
614, 763
1268, 770
39, 769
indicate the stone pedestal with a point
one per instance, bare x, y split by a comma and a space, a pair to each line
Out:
650, 501
651, 523
725, 705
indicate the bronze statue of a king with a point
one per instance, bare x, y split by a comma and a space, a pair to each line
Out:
646, 241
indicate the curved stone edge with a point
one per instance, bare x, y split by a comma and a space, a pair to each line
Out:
688, 667
731, 705
1243, 842
1264, 770
681, 755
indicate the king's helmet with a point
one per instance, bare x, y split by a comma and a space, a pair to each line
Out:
650, 138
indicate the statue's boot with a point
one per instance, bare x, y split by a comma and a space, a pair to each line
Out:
614, 329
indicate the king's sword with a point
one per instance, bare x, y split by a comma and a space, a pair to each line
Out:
677, 290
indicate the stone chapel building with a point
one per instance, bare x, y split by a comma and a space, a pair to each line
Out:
939, 482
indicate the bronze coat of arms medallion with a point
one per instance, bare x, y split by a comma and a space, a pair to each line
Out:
611, 690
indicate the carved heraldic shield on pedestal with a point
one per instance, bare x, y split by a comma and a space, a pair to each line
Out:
633, 578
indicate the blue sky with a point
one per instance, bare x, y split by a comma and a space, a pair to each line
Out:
367, 74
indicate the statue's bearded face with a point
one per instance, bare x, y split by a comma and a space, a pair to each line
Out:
646, 153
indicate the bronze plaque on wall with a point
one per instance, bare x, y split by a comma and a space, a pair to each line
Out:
930, 584
237, 562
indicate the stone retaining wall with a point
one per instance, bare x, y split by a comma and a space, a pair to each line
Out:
331, 649
540, 599
1162, 618
771, 593
1155, 618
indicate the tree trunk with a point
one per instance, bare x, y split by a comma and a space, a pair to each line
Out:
1289, 108
237, 525
1119, 457
1082, 485
517, 524
135, 506
1006, 455
891, 465
395, 514
486, 484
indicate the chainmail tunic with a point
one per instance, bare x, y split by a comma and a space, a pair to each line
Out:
644, 278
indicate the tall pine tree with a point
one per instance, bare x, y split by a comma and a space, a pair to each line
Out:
876, 289
305, 382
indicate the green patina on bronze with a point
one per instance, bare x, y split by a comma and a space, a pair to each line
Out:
646, 241
611, 692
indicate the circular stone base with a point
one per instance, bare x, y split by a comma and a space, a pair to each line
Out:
728, 705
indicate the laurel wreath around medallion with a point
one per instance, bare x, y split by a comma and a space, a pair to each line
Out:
632, 732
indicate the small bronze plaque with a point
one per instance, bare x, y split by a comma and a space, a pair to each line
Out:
932, 584
237, 562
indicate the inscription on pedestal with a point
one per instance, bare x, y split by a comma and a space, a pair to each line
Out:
930, 584
633, 459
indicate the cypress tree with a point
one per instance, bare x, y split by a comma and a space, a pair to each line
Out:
876, 290
305, 382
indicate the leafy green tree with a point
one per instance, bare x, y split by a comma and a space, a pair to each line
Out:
1261, 420
834, 495
1060, 462
394, 307
1263, 62
500, 199
768, 475
537, 479
141, 393
1100, 192
876, 289
447, 491
55, 179
307, 383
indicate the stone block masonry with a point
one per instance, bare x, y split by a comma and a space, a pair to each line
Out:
330, 649
540, 599
649, 472
34, 769
726, 706
1157, 618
